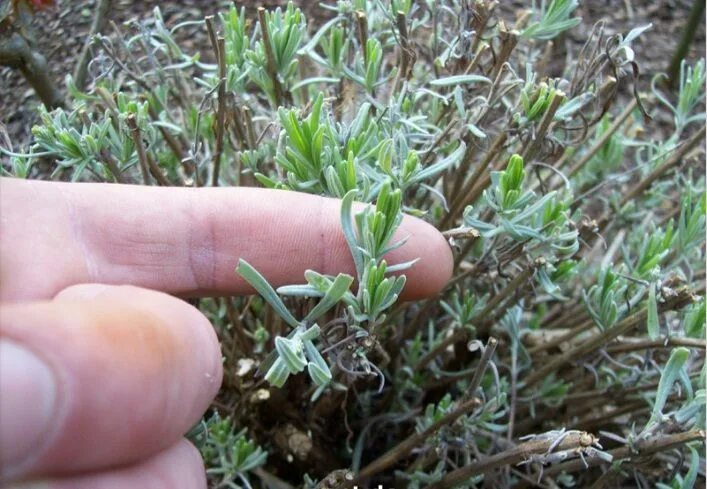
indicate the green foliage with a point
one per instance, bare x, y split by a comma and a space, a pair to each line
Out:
367, 69
272, 62
652, 319
604, 298
654, 251
304, 150
296, 352
237, 43
690, 95
609, 156
229, 454
464, 308
671, 373
535, 101
552, 19
434, 413
287, 30
691, 222
694, 321
687, 482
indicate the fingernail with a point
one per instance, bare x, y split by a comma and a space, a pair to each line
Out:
27, 402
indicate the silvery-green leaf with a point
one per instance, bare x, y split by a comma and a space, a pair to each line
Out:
310, 334
395, 245
361, 117
436, 194
684, 379
689, 481
694, 322
318, 392
258, 282
399, 267
437, 168
336, 291
314, 41
570, 107
691, 409
348, 229
536, 206
652, 319
519, 232
432, 93
172, 127
315, 79
277, 374
319, 375
473, 129
299, 291
548, 285
313, 354
317, 280
267, 363
677, 360
635, 32
334, 182
290, 351
458, 80
318, 368
393, 293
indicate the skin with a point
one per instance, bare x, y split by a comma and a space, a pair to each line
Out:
103, 368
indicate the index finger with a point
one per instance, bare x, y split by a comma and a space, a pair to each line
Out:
185, 241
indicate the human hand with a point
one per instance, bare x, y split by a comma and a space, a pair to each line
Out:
101, 371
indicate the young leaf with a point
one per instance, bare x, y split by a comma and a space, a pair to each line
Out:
676, 362
319, 375
299, 291
348, 229
258, 282
694, 322
290, 351
458, 80
437, 168
653, 325
277, 374
309, 334
333, 295
689, 481
317, 366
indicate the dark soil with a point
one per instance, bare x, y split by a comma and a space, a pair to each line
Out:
61, 31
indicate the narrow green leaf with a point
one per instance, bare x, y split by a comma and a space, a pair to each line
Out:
437, 168
299, 291
348, 229
337, 290
458, 80
694, 322
258, 282
277, 374
653, 325
689, 481
677, 360
290, 351
310, 334
319, 375
399, 267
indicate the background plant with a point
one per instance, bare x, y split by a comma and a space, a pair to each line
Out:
569, 346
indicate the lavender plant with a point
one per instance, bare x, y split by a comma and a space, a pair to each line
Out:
568, 348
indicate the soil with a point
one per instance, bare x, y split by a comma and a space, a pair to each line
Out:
61, 31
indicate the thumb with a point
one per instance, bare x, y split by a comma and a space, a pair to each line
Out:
101, 376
